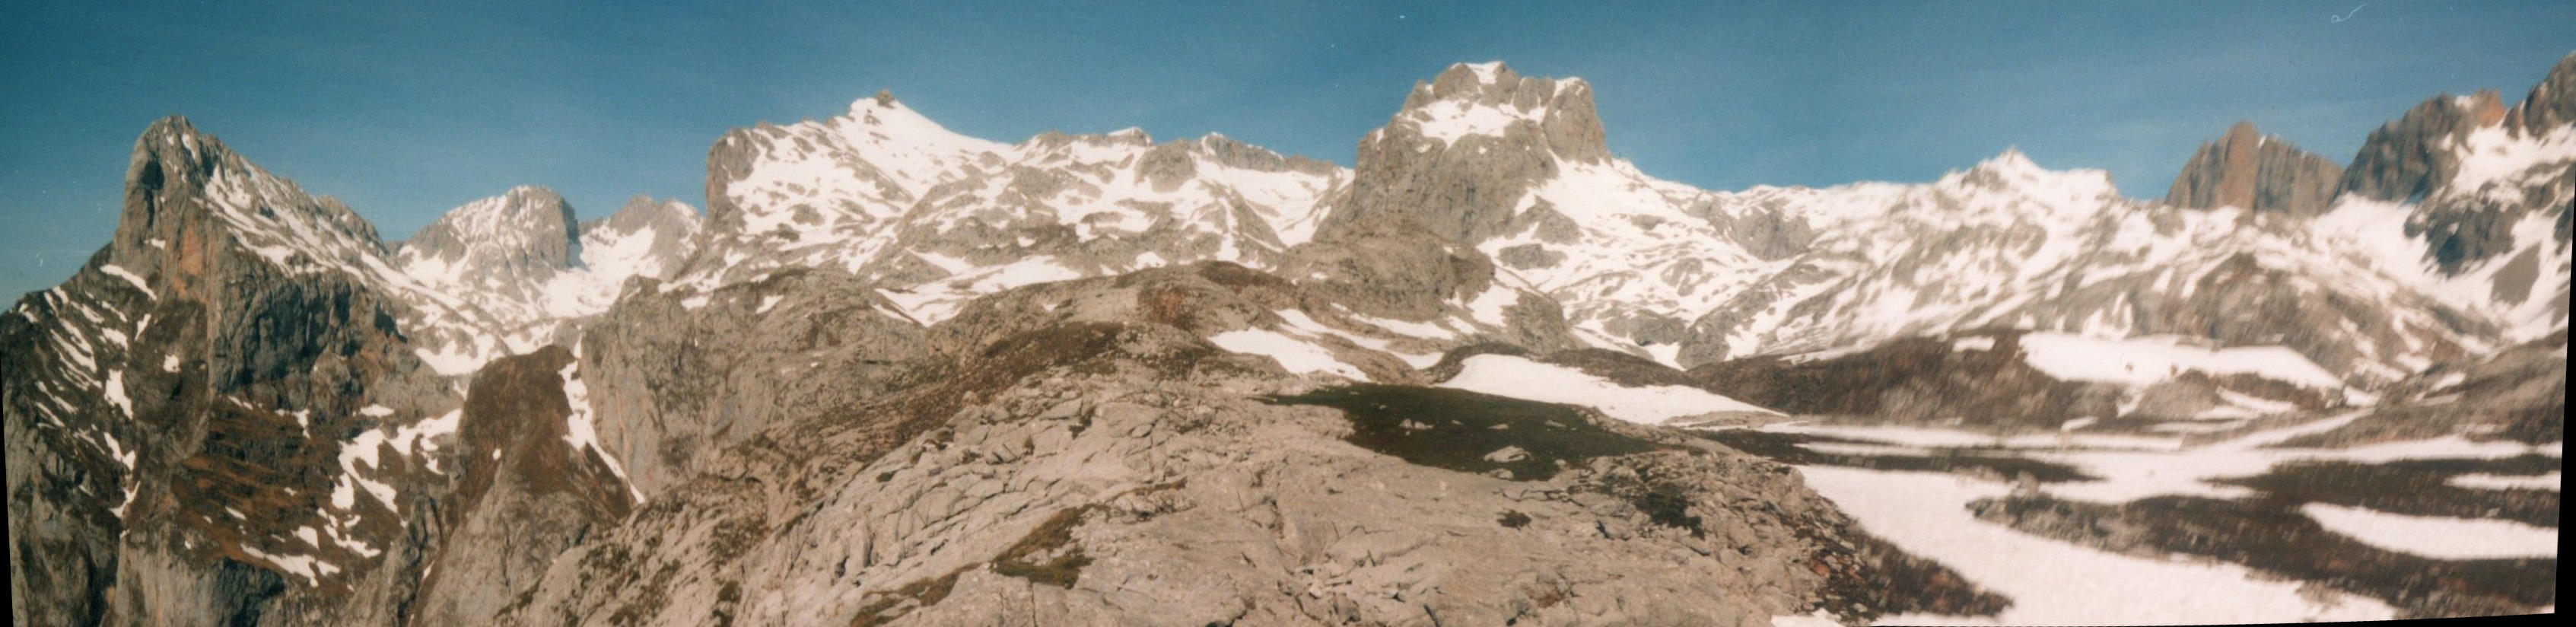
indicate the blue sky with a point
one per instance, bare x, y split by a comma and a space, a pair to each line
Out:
406, 109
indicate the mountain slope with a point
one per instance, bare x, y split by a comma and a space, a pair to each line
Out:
2472, 202
935, 218
190, 415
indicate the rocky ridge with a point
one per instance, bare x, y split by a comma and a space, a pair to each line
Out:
2245, 168
1021, 370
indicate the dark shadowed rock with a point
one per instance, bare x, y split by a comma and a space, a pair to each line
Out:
2407, 159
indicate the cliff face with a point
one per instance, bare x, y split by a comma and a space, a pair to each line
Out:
2408, 159
2245, 169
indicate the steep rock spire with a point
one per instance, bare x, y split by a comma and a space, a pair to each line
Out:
2243, 168
1467, 146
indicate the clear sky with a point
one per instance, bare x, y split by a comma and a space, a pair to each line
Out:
406, 109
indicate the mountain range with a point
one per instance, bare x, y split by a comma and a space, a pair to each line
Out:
897, 375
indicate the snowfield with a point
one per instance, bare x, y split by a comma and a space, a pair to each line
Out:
1518, 377
2437, 537
2144, 361
2483, 481
1296, 355
2056, 582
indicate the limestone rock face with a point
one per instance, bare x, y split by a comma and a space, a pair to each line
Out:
1070, 469
2552, 103
676, 375
895, 375
181, 412
2244, 168
1467, 146
543, 488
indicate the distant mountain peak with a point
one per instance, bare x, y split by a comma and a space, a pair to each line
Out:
2552, 103
2244, 168
1466, 146
1490, 100
525, 232
2014, 170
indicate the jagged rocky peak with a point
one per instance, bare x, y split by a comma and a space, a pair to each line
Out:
647, 237
1467, 146
1232, 152
2247, 169
528, 231
187, 196
2408, 159
2552, 103
1489, 99
643, 212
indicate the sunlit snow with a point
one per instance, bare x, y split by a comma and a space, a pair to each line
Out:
2437, 537
1519, 377
1296, 355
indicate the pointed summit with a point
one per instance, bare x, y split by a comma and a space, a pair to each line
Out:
647, 237
1467, 145
525, 234
2411, 157
2552, 103
1490, 99
188, 198
2244, 168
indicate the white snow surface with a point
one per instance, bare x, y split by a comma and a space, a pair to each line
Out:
2052, 582
2136, 467
1295, 354
2435, 536
842, 193
2144, 361
1522, 378
2549, 481
129, 277
115, 391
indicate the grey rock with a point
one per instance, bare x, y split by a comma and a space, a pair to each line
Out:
1465, 190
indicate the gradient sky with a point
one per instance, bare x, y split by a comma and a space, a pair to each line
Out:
407, 110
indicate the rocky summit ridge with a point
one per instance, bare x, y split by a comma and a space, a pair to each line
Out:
895, 375
2245, 168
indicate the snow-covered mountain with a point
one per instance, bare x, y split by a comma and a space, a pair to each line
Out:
247, 402
935, 218
1515, 167
2472, 200
523, 261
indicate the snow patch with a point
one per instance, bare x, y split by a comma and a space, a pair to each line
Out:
2435, 536
118, 272
2483, 481
1521, 378
115, 391
2053, 582
1296, 355
2146, 361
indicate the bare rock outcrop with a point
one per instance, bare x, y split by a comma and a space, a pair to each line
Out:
2245, 168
